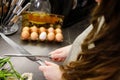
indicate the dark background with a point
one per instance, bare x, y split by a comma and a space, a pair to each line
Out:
64, 7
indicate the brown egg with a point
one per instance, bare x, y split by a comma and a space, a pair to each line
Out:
59, 37
34, 36
58, 26
51, 25
50, 29
26, 28
50, 36
34, 29
42, 29
58, 30
25, 35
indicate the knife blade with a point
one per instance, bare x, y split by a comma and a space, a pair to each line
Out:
12, 5
16, 17
21, 49
17, 8
6, 7
26, 55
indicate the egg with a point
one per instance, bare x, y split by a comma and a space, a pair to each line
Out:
42, 29
58, 26
59, 37
50, 29
51, 25
50, 36
43, 36
34, 29
58, 30
26, 28
60, 20
34, 36
25, 35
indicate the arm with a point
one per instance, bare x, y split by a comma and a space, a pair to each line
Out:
60, 54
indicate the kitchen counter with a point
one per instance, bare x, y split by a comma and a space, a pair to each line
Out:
23, 65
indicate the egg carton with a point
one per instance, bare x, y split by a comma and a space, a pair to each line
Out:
36, 33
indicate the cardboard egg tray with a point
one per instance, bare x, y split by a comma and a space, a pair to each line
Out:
34, 33
41, 26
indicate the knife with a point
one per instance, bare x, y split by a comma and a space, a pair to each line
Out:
26, 55
16, 17
21, 50
12, 6
15, 11
6, 7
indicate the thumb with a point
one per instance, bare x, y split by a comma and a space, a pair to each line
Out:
42, 68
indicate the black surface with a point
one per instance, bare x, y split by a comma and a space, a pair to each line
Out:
71, 16
24, 65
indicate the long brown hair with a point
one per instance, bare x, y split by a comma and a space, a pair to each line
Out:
103, 61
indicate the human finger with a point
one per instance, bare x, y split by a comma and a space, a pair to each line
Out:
57, 51
42, 68
56, 57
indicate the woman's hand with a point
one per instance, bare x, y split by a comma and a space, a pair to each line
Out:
51, 71
60, 54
